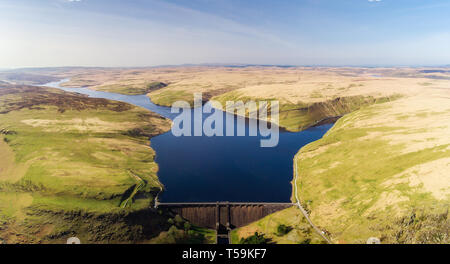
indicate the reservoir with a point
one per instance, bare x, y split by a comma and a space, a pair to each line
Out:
210, 169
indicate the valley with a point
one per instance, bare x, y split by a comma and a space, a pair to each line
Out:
383, 162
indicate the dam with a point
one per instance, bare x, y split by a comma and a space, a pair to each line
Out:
223, 216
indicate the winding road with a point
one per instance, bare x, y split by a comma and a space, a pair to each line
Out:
304, 212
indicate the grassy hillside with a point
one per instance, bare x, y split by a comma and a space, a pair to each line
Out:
299, 116
72, 165
381, 172
378, 165
132, 88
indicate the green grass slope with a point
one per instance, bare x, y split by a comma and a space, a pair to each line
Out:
381, 172
72, 165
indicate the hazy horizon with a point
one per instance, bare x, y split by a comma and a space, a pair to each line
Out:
234, 65
100, 33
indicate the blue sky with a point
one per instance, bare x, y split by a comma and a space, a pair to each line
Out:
158, 32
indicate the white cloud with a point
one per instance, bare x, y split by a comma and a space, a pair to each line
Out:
374, 0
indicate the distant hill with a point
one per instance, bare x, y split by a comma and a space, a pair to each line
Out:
26, 78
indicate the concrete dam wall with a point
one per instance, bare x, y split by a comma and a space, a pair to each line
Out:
223, 215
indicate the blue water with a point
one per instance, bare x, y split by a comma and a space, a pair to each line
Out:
209, 169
